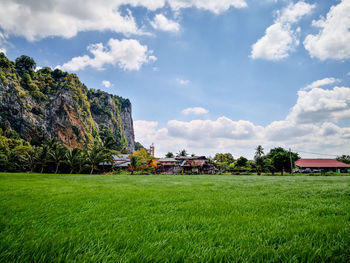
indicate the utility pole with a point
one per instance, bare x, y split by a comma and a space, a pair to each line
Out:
290, 158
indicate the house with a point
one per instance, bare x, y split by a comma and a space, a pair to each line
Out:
121, 160
168, 165
322, 164
197, 164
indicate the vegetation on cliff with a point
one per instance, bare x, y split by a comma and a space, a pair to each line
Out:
47, 104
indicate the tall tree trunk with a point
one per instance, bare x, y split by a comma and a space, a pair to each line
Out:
42, 169
71, 170
92, 170
57, 165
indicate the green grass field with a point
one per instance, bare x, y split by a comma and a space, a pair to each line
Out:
199, 218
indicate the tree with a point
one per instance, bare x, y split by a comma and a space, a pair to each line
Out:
138, 146
224, 160
43, 156
142, 154
31, 158
344, 159
169, 155
97, 155
281, 159
182, 153
74, 159
58, 155
259, 159
135, 163
25, 64
242, 162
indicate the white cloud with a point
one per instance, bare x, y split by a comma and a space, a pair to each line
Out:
276, 44
210, 5
223, 127
308, 127
321, 82
160, 22
294, 12
106, 83
183, 82
195, 110
36, 20
332, 42
280, 39
128, 54
3, 42
319, 105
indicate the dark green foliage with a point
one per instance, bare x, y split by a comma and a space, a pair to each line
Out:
108, 139
260, 159
135, 163
58, 74
241, 162
74, 158
13, 151
138, 146
182, 153
169, 155
97, 155
344, 158
25, 64
281, 160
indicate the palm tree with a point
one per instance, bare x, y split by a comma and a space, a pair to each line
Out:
31, 158
259, 159
74, 159
182, 153
134, 163
58, 155
259, 151
43, 156
95, 156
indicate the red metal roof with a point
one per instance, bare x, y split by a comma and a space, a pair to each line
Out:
318, 163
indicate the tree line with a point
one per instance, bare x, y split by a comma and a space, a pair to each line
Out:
51, 156
277, 160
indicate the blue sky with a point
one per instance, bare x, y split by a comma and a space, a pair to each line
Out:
208, 76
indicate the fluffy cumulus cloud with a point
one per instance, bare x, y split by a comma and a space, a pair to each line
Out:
332, 41
223, 127
128, 54
3, 43
310, 126
35, 19
321, 82
195, 110
319, 105
160, 22
210, 5
280, 38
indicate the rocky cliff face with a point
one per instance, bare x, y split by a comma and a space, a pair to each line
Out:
54, 104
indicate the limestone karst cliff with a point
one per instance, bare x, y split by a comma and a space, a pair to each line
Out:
48, 103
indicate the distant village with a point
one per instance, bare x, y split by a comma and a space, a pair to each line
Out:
144, 161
